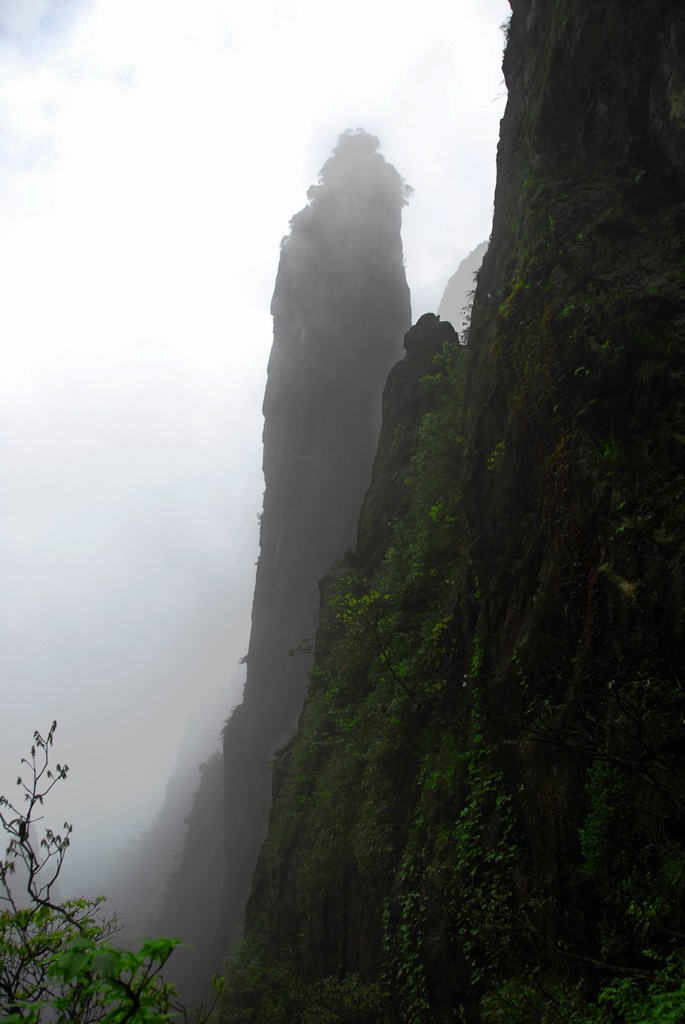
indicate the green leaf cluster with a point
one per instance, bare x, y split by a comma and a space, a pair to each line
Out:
58, 963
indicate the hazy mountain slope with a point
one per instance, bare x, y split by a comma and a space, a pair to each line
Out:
480, 816
455, 305
191, 901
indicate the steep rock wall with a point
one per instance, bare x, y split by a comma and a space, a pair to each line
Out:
481, 815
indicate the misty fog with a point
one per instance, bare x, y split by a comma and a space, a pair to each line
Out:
151, 158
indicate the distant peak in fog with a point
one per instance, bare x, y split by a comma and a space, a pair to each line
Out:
458, 295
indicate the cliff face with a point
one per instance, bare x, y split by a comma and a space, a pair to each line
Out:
480, 817
340, 307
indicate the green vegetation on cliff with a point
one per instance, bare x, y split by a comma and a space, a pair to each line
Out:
480, 818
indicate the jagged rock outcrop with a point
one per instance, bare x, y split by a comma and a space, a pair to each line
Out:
340, 308
480, 818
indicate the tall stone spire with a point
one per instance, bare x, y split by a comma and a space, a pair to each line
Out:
340, 308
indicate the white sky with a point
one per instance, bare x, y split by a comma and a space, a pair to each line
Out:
152, 153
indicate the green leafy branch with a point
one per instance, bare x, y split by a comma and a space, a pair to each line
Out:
57, 960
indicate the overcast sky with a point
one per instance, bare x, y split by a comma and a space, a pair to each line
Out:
152, 153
